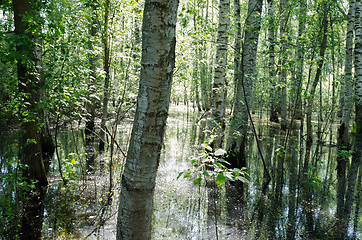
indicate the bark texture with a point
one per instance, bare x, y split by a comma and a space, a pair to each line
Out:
239, 123
358, 70
138, 180
218, 88
348, 79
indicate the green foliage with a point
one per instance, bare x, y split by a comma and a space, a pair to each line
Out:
344, 153
210, 165
311, 180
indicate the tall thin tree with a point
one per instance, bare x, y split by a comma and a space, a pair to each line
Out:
138, 180
218, 86
239, 123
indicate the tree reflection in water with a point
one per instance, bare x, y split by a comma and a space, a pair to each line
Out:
299, 202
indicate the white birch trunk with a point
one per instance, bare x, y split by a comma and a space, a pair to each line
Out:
218, 88
239, 122
138, 180
358, 71
348, 80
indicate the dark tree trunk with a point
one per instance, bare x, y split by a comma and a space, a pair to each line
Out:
30, 141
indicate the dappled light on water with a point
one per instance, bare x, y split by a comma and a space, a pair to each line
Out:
302, 205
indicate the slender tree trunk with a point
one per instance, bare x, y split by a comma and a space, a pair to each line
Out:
271, 39
284, 10
204, 78
357, 153
106, 65
344, 199
237, 44
138, 180
353, 170
358, 73
348, 79
308, 211
324, 28
297, 86
239, 123
29, 71
89, 130
218, 87
195, 73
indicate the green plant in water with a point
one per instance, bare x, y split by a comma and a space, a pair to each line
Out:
311, 181
211, 164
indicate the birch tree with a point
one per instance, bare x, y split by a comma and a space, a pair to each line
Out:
343, 135
218, 88
357, 150
358, 74
348, 79
239, 122
157, 63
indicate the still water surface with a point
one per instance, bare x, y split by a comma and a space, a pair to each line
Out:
84, 209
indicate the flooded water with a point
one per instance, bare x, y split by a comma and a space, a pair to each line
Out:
294, 205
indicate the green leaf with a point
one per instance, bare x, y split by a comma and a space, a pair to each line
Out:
220, 179
197, 181
179, 175
206, 173
242, 179
187, 175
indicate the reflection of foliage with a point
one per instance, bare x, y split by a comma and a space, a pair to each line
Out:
211, 164
311, 181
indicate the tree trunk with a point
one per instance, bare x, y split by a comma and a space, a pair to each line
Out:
106, 65
138, 180
358, 71
271, 39
218, 87
91, 105
357, 153
324, 28
239, 123
297, 86
284, 10
348, 79
237, 44
29, 71
344, 199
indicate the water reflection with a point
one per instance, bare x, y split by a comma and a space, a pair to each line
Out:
299, 203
